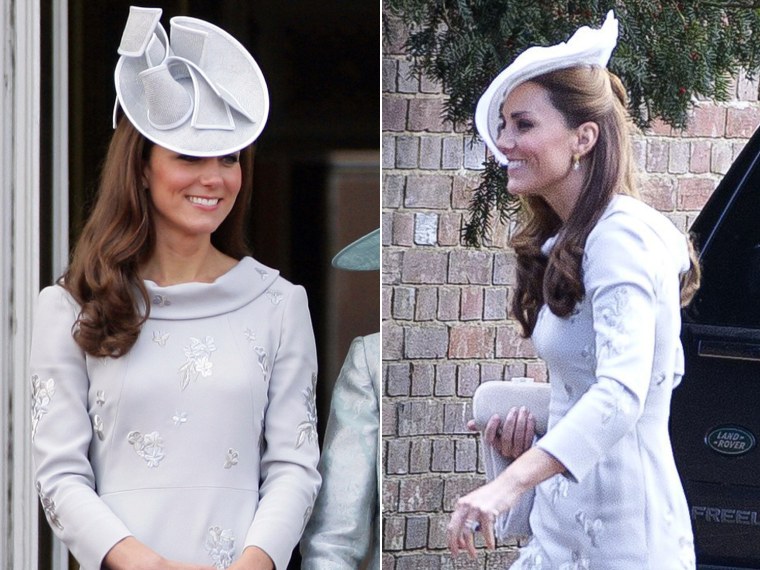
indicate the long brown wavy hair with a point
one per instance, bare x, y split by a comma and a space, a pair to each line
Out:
119, 236
580, 94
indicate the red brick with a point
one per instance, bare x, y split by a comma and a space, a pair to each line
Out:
393, 341
694, 192
699, 162
659, 192
394, 113
424, 266
426, 115
448, 304
403, 229
427, 301
657, 155
706, 120
471, 341
678, 161
428, 191
420, 494
393, 532
449, 228
470, 266
722, 157
536, 370
472, 303
742, 123
509, 343
659, 127
428, 341
395, 37
462, 190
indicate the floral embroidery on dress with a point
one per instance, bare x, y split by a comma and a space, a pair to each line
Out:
307, 430
161, 300
149, 446
263, 272
179, 418
42, 392
48, 505
220, 545
619, 405
611, 314
591, 528
231, 459
659, 378
579, 562
198, 363
160, 338
274, 296
97, 427
559, 488
588, 352
261, 353
100, 398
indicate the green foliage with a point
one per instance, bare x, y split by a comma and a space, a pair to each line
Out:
668, 53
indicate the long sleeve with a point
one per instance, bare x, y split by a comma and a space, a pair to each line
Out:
289, 477
621, 272
339, 533
61, 435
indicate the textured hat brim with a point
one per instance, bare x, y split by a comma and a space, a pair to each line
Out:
361, 255
226, 68
587, 46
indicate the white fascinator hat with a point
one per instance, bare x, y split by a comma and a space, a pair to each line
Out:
587, 46
361, 255
197, 91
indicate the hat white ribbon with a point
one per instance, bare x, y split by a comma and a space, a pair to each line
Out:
168, 102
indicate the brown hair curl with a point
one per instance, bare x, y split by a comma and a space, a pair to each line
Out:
119, 236
581, 94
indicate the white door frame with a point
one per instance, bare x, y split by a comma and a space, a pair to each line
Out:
19, 273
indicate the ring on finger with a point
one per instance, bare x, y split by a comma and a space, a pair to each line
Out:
473, 526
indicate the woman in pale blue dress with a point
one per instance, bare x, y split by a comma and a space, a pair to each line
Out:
599, 288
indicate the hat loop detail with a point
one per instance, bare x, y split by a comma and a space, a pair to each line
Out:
201, 80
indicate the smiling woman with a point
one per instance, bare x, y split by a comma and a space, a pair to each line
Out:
163, 324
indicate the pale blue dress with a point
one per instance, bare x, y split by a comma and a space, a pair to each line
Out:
613, 365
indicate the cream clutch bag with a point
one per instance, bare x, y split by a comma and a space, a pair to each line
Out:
497, 397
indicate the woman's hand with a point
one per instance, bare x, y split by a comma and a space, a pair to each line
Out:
512, 437
253, 558
131, 554
477, 511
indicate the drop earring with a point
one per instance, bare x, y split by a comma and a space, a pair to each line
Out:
576, 161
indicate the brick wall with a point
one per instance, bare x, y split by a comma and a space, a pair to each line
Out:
444, 306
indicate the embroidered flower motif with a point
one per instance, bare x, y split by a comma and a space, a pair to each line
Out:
161, 300
260, 351
659, 378
48, 505
568, 390
560, 488
274, 296
588, 352
307, 430
619, 405
262, 358
97, 427
149, 446
42, 392
160, 338
179, 418
579, 562
591, 528
100, 398
232, 458
197, 363
263, 272
220, 545
611, 314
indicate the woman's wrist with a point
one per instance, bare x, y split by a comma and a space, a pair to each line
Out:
254, 558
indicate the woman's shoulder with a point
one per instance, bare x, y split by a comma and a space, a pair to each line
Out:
630, 225
56, 296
